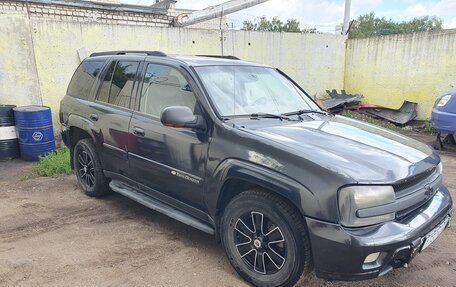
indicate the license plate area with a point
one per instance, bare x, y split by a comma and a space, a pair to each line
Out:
433, 234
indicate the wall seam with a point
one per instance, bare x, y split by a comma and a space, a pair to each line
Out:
33, 52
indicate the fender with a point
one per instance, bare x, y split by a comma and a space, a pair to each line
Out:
82, 123
306, 202
86, 125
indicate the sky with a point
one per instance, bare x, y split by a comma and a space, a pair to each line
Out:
325, 14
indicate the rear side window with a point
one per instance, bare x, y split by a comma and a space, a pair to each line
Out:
83, 79
118, 83
103, 93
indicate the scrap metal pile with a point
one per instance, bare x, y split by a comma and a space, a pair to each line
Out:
338, 103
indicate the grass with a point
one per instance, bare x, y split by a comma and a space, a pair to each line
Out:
55, 164
430, 129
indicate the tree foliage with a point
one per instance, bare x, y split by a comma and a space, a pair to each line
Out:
276, 25
369, 25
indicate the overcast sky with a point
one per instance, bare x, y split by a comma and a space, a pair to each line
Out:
324, 14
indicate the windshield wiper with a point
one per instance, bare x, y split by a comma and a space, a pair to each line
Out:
267, 115
301, 112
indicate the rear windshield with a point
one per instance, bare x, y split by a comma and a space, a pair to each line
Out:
83, 79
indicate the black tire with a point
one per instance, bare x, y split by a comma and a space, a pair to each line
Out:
273, 212
88, 169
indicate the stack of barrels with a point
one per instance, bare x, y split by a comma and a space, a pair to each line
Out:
26, 132
9, 145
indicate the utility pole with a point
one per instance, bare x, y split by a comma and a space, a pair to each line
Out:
346, 17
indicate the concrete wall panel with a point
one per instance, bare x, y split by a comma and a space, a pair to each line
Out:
315, 61
19, 83
417, 67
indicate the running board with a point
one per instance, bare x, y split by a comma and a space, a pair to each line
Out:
130, 192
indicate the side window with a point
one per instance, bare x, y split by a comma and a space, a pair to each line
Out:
83, 79
103, 93
163, 87
122, 83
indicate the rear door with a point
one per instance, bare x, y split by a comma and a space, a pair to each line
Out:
168, 161
112, 112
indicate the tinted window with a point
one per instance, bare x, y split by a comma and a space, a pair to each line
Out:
122, 83
103, 94
164, 87
83, 79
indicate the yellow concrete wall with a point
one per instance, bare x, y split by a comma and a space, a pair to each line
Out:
18, 78
315, 61
415, 67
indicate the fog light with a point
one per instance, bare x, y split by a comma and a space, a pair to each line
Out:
371, 257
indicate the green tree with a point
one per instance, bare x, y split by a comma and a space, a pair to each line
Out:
292, 25
276, 25
369, 25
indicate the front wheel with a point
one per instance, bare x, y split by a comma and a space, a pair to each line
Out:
89, 170
265, 239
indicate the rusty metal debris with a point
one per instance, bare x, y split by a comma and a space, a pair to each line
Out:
403, 115
338, 102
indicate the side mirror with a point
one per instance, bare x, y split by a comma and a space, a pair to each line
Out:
182, 117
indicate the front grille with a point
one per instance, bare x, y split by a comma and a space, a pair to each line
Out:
413, 180
403, 213
417, 184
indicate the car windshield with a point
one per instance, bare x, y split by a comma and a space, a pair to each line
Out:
247, 90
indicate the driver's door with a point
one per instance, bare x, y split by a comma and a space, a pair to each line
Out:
167, 160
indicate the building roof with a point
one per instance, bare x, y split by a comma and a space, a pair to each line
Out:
103, 5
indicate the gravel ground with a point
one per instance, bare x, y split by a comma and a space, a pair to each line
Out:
51, 234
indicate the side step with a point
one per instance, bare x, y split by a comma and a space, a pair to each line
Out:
159, 206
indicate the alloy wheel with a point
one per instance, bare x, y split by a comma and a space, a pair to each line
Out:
86, 169
260, 243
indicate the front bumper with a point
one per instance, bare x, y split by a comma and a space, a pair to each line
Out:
443, 121
339, 253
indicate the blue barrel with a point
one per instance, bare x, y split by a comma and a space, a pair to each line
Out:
9, 146
35, 132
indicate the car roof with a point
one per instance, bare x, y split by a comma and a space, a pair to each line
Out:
194, 61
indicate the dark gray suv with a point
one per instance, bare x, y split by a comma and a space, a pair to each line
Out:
239, 150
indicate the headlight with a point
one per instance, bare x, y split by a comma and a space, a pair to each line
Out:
440, 168
444, 100
354, 198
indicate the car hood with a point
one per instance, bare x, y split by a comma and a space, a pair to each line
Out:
363, 152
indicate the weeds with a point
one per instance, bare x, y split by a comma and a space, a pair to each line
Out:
429, 128
55, 163
348, 114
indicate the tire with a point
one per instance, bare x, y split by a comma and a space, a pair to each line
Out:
88, 169
283, 233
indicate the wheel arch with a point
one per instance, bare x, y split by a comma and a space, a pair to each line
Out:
233, 177
79, 128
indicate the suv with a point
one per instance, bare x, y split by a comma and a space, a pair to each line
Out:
239, 150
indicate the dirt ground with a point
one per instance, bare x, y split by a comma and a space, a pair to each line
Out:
51, 234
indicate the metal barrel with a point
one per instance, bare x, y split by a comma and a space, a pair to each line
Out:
9, 146
35, 132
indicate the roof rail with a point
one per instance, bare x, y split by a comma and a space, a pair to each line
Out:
219, 56
148, 53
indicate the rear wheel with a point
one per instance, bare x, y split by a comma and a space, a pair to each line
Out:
88, 169
265, 239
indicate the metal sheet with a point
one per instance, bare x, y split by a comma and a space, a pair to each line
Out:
339, 101
401, 116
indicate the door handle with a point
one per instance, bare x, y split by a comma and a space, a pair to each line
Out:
139, 131
94, 117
